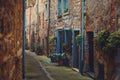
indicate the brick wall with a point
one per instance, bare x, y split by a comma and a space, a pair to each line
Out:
11, 27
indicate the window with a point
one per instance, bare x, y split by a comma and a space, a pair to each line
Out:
65, 6
62, 8
46, 11
59, 7
37, 9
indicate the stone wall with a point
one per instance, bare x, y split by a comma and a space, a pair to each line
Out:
70, 20
43, 26
32, 23
11, 27
102, 16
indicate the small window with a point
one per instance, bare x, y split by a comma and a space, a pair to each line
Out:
65, 6
37, 9
46, 11
59, 7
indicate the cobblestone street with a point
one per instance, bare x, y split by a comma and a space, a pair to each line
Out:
40, 68
33, 69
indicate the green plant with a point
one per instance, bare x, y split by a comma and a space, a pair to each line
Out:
79, 39
113, 41
65, 10
52, 39
102, 38
65, 46
108, 41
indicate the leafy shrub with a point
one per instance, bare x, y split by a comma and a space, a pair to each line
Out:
65, 10
108, 41
113, 41
102, 38
52, 39
79, 39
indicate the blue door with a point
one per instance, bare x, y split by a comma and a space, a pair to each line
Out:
74, 50
75, 54
65, 37
58, 43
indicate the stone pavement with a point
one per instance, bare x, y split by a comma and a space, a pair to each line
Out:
34, 69
40, 68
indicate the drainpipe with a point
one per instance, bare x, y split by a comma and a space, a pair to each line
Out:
23, 46
48, 27
30, 26
82, 49
37, 30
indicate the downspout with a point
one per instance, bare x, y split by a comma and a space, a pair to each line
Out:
48, 27
37, 20
82, 48
30, 26
23, 46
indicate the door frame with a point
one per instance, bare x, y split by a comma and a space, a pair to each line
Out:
74, 47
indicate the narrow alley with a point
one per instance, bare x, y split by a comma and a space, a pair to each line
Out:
40, 68
59, 39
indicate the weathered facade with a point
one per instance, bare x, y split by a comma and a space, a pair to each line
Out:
63, 21
32, 24
43, 26
65, 25
103, 15
99, 15
11, 28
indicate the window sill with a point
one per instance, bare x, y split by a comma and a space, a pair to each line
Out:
59, 16
66, 13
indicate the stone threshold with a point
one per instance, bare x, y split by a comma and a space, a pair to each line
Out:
75, 69
91, 74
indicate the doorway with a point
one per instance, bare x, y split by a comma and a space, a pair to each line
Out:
59, 41
75, 50
90, 51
